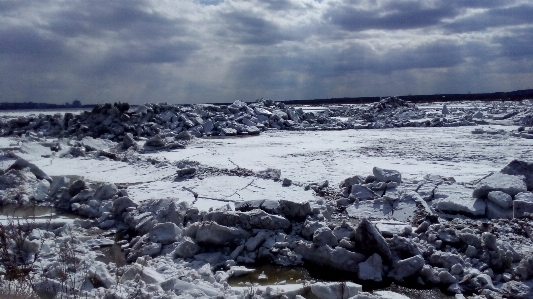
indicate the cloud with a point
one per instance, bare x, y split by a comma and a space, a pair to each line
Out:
224, 50
494, 17
518, 45
393, 15
244, 28
25, 41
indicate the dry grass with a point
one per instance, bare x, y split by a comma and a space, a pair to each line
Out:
17, 281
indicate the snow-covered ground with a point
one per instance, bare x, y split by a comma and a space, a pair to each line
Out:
142, 191
314, 156
302, 156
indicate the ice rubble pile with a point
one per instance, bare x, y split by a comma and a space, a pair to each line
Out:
166, 123
394, 112
461, 255
116, 121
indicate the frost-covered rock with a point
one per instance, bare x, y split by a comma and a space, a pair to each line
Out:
517, 289
510, 184
21, 163
100, 274
386, 175
105, 192
186, 248
369, 241
210, 233
461, 205
252, 219
128, 141
151, 249
371, 269
165, 233
359, 192
445, 259
525, 268
517, 167
335, 290
324, 236
389, 228
294, 210
477, 282
495, 211
309, 228
254, 242
156, 141
407, 267
122, 203
501, 199
338, 258
522, 204
349, 182
57, 184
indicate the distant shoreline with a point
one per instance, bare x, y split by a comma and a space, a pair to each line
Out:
517, 95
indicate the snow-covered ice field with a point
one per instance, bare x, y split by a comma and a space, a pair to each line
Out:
302, 156
312, 156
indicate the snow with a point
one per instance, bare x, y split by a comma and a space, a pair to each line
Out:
218, 190
335, 155
302, 156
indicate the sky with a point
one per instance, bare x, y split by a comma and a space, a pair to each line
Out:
205, 51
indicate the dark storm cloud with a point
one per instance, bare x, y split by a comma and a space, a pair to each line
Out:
495, 17
517, 46
393, 15
246, 28
153, 53
221, 50
26, 41
81, 43
97, 18
361, 58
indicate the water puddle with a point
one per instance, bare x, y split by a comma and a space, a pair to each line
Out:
269, 274
33, 212
113, 253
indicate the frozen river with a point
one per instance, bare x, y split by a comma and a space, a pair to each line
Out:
313, 156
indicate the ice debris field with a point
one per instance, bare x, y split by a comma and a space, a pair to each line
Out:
384, 200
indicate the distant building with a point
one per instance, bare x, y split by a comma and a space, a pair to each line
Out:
76, 104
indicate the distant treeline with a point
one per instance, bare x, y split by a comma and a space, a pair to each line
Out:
36, 106
496, 96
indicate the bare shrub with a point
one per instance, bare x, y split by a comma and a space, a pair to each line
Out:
18, 266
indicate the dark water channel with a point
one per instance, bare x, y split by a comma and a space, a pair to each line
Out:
33, 212
113, 253
268, 274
